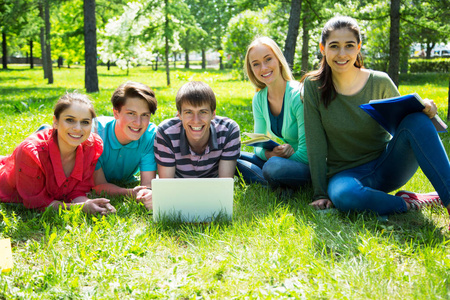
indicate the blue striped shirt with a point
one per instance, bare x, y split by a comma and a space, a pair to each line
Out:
172, 148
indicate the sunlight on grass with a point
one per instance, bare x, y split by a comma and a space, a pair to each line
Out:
276, 247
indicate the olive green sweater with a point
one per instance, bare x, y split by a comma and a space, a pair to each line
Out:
343, 136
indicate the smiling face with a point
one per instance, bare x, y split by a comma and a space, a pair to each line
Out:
132, 120
264, 64
73, 126
341, 50
196, 122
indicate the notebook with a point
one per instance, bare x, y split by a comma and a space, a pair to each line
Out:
192, 199
390, 112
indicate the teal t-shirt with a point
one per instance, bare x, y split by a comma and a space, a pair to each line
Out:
121, 162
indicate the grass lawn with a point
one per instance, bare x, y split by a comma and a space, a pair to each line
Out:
276, 246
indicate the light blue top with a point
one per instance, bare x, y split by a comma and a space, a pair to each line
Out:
293, 130
121, 162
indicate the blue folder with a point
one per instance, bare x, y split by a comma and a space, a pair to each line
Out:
391, 111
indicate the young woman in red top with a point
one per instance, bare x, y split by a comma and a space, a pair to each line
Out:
54, 167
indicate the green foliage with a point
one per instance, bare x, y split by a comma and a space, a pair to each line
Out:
437, 65
242, 29
277, 246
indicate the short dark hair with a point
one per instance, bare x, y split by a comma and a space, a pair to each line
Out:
196, 93
68, 99
132, 89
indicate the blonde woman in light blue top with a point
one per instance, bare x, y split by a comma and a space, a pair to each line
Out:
277, 111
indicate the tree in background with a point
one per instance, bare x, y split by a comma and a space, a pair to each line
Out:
394, 41
294, 25
212, 17
90, 46
427, 23
13, 19
123, 40
241, 30
190, 37
44, 8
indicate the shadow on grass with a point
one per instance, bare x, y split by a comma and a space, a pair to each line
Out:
421, 79
339, 234
9, 78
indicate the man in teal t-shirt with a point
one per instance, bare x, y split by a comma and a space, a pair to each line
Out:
128, 143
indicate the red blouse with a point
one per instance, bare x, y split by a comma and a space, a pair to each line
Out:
33, 174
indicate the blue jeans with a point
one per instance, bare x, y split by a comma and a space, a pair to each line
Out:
275, 172
415, 143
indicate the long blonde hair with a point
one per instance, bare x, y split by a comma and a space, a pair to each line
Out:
284, 67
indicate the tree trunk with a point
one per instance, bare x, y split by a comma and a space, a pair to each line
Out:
90, 47
4, 50
203, 59
166, 39
174, 60
108, 64
48, 47
221, 66
430, 47
31, 55
305, 43
186, 58
394, 41
291, 38
42, 40
448, 109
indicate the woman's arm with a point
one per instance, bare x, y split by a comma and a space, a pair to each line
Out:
316, 141
259, 123
297, 110
90, 206
29, 177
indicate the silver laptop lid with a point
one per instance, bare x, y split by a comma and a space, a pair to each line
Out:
192, 199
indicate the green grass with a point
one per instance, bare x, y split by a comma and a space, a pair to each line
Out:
276, 246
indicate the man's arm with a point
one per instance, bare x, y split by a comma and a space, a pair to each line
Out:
166, 172
101, 184
227, 168
147, 177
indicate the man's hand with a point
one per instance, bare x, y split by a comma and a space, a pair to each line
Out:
135, 191
145, 196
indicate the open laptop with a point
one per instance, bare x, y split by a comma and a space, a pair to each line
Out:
192, 199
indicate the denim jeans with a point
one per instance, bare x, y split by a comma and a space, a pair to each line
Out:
415, 143
275, 172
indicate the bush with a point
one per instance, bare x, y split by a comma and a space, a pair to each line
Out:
438, 65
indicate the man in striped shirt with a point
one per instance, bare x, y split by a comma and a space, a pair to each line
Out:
197, 143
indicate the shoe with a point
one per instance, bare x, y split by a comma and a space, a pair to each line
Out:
419, 201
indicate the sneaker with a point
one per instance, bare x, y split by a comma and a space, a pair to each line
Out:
419, 201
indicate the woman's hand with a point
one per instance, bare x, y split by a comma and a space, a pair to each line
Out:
284, 151
145, 196
322, 204
430, 108
98, 206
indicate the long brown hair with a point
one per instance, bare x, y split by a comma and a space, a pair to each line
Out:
323, 74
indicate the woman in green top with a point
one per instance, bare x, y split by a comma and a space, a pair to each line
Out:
277, 111
354, 162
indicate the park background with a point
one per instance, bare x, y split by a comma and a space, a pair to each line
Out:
276, 246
